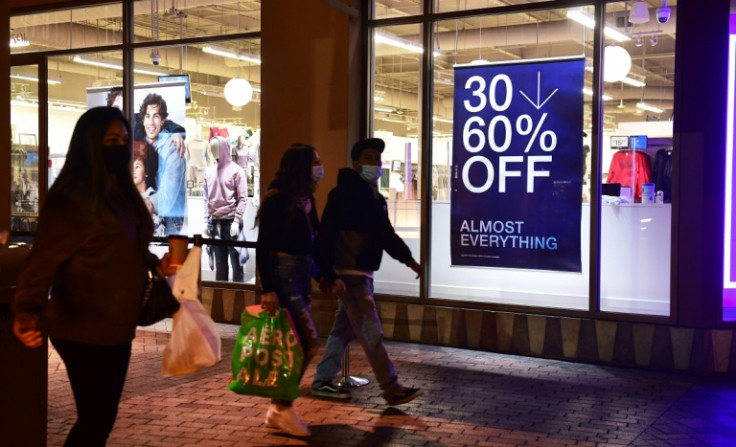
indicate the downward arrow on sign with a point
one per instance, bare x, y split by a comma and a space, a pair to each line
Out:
538, 105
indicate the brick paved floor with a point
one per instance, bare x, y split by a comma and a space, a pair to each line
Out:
471, 399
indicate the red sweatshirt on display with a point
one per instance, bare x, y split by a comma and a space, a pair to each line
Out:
623, 168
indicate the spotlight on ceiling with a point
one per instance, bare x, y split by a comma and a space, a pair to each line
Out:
639, 41
653, 40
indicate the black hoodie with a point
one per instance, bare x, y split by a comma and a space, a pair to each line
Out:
355, 229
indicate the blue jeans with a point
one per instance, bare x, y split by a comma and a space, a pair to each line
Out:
357, 318
292, 279
173, 224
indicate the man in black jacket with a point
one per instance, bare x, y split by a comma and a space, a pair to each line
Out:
354, 232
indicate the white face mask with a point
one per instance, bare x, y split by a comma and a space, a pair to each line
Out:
317, 173
370, 173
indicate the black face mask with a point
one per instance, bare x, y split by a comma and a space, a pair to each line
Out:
117, 158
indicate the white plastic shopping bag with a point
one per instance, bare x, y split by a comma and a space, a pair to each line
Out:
194, 343
186, 281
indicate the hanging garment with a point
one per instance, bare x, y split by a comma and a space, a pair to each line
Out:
630, 170
663, 173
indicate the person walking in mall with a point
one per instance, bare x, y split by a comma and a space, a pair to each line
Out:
355, 231
91, 250
287, 221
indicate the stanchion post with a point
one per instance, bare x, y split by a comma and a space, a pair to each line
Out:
348, 381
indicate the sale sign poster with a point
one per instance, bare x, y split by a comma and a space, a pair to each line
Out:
518, 162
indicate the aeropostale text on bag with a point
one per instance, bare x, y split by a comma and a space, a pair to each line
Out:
274, 347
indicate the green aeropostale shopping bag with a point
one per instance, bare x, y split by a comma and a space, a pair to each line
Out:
267, 359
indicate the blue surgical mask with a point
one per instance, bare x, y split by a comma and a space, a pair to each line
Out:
370, 173
318, 172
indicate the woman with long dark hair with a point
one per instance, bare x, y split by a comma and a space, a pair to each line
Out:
91, 250
287, 222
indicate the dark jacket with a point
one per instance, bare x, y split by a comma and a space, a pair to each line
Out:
95, 269
282, 227
355, 229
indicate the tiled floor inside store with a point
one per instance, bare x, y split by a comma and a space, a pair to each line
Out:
470, 398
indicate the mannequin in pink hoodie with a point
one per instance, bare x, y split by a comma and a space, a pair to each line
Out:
225, 194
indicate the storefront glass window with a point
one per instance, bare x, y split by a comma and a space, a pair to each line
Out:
397, 8
86, 27
69, 99
510, 222
396, 119
636, 160
165, 20
24, 157
201, 106
209, 88
511, 154
458, 5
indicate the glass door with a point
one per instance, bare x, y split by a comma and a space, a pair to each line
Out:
26, 179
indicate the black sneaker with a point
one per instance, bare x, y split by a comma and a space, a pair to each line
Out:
402, 395
330, 391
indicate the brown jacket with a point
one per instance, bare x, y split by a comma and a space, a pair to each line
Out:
95, 270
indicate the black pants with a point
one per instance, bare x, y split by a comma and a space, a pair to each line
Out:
97, 375
222, 254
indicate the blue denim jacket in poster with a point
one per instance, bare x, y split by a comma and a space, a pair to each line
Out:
170, 178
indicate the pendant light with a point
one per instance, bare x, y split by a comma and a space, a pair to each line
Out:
639, 13
616, 63
238, 91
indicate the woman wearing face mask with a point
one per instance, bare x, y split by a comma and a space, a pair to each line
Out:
287, 223
93, 221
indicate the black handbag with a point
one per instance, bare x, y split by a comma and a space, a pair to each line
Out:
158, 301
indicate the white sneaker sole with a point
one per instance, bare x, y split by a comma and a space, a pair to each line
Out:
275, 425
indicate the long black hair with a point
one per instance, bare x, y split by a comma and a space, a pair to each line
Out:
85, 179
294, 177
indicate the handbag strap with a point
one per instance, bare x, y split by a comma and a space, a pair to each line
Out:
149, 287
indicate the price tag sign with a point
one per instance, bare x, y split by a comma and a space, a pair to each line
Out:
518, 164
619, 142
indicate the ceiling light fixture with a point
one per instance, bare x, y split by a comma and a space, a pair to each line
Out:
238, 92
617, 63
241, 56
19, 41
634, 80
639, 13
639, 41
587, 20
51, 81
649, 108
589, 92
402, 43
653, 40
441, 120
116, 66
391, 120
443, 80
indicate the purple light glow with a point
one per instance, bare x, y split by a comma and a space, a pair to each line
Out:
729, 245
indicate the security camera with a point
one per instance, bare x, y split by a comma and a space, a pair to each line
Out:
663, 14
155, 57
